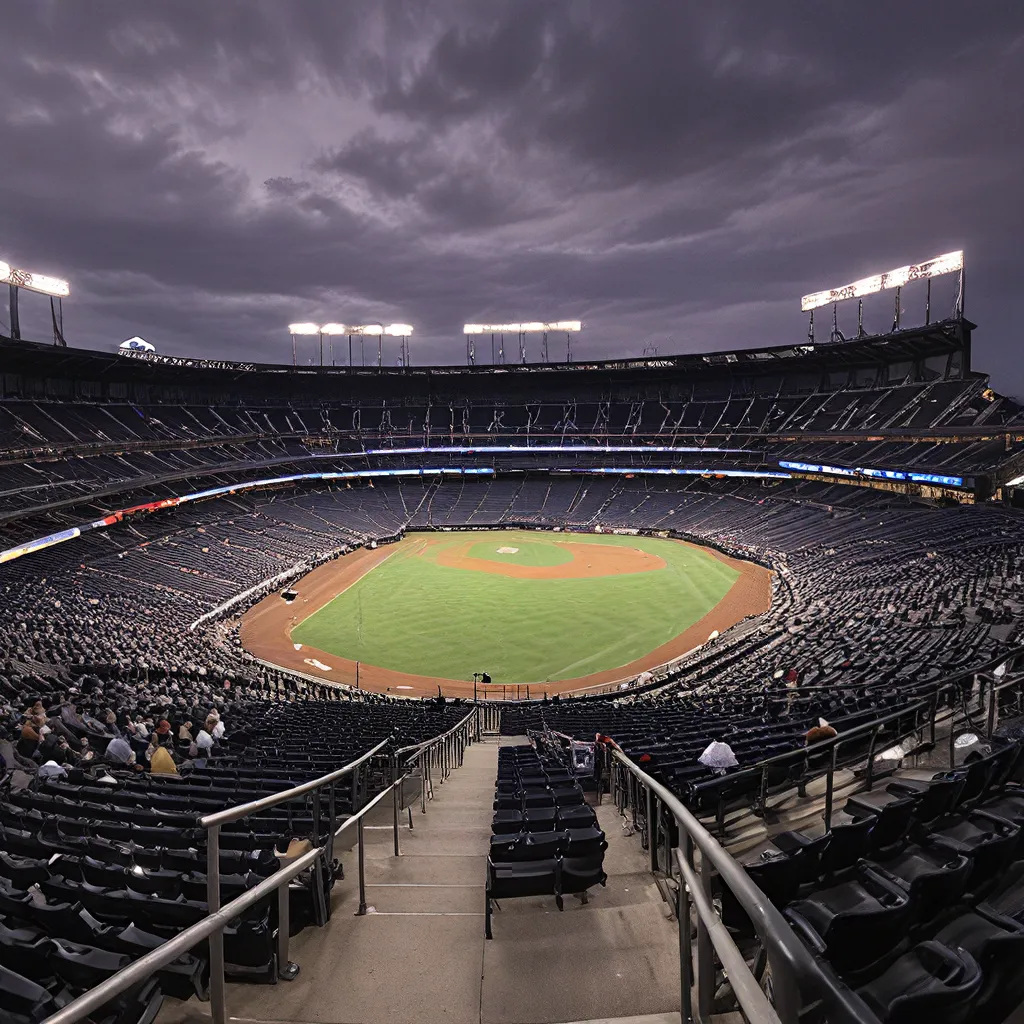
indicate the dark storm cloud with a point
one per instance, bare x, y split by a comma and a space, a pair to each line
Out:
675, 174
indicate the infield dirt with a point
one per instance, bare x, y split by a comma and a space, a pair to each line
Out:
265, 630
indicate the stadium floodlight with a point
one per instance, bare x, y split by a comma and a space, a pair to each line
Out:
331, 329
523, 328
54, 287
947, 263
398, 330
43, 283
304, 328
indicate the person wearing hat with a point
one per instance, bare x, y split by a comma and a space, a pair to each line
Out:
162, 733
161, 762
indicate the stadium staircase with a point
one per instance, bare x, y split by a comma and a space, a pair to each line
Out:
419, 956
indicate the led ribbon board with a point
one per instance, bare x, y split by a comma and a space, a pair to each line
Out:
875, 474
948, 263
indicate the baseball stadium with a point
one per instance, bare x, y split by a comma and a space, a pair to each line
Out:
681, 687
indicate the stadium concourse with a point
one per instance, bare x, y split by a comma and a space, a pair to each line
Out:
865, 767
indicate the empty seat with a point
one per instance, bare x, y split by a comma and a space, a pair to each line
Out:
930, 983
934, 876
997, 944
854, 923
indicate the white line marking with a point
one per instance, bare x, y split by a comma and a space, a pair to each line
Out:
427, 913
421, 885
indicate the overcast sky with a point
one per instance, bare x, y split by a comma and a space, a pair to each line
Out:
675, 174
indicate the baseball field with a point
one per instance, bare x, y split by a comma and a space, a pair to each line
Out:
525, 606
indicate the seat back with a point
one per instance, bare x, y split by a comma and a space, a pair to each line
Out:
848, 844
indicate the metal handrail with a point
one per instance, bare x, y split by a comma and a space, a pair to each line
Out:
794, 757
264, 802
209, 927
927, 698
447, 749
793, 968
434, 740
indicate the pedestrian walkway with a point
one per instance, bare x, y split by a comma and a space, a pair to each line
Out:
420, 955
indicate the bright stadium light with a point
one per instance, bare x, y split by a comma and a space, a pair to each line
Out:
331, 329
304, 328
524, 328
54, 287
948, 263
398, 330
34, 282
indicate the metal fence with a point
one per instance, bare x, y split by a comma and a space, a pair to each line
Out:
443, 753
973, 699
796, 978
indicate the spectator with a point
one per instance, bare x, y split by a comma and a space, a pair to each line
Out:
30, 737
204, 743
119, 752
161, 763
817, 733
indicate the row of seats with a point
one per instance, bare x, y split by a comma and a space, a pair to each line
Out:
915, 896
545, 841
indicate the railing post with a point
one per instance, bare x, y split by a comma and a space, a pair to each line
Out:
993, 704
685, 938
785, 990
218, 1006
652, 846
286, 970
362, 870
705, 951
395, 795
332, 814
871, 758
830, 785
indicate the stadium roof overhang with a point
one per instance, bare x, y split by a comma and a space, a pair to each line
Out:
126, 367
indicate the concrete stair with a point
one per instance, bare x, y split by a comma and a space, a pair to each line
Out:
420, 955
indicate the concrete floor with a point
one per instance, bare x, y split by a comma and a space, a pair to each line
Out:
420, 955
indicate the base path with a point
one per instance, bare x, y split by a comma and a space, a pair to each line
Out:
265, 630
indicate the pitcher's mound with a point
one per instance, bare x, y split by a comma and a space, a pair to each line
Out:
508, 551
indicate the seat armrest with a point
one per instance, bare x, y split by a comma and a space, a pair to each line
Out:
990, 913
886, 881
1003, 823
905, 788
806, 930
880, 872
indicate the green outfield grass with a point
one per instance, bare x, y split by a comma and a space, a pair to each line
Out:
413, 615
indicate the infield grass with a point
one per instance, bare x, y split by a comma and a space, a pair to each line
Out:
413, 615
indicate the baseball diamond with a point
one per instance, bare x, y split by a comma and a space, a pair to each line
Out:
565, 609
